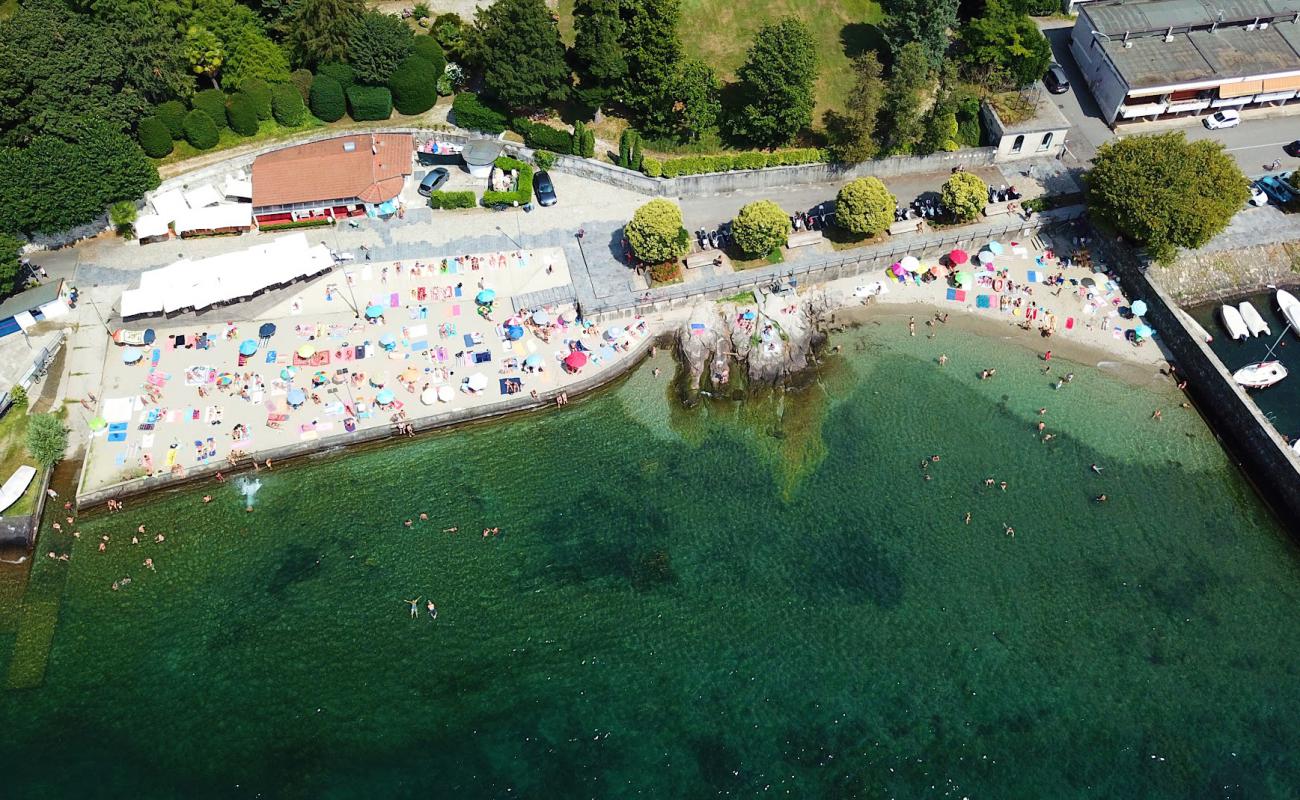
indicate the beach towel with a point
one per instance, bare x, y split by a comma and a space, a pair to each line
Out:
1069, 323
420, 346
1032, 276
117, 436
270, 356
982, 301
319, 359
1118, 333
469, 340
482, 358
394, 300
952, 294
455, 309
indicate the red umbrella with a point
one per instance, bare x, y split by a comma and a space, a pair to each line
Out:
958, 257
575, 360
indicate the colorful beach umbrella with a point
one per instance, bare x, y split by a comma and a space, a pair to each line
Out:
541, 317
995, 248
267, 330
614, 332
515, 332
575, 360
374, 312
485, 297
1139, 308
409, 375
296, 397
533, 361
247, 347
898, 269
131, 355
962, 277
910, 263
1143, 331
385, 397
320, 378
307, 351
98, 424
984, 257
388, 340
288, 372
958, 257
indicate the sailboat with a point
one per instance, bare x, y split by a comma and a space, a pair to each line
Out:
1261, 375
1233, 322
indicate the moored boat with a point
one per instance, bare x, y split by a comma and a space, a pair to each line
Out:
1254, 322
1261, 375
1290, 308
1233, 322
1196, 327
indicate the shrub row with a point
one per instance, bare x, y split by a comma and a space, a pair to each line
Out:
287, 106
726, 162
542, 137
367, 103
522, 195
155, 138
327, 101
300, 223
470, 112
414, 85
464, 199
201, 130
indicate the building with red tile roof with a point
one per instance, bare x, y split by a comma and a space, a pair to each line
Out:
340, 177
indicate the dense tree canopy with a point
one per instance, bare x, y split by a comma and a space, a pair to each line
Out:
1165, 192
656, 234
852, 133
903, 110
925, 22
47, 438
1007, 44
517, 45
964, 195
776, 84
254, 56
413, 86
652, 50
864, 206
11, 249
377, 43
760, 228
319, 29
598, 44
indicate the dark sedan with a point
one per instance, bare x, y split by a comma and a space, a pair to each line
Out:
432, 181
544, 189
1293, 149
1056, 81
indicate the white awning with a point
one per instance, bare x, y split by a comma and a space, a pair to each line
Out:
1193, 105
139, 301
25, 320
150, 225
203, 196
1273, 97
169, 205
54, 309
238, 187
1144, 110
1231, 101
218, 217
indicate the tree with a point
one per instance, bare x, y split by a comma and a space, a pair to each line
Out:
287, 106
241, 111
656, 234
517, 44
172, 113
760, 228
301, 80
697, 100
597, 47
155, 138
776, 84
864, 206
122, 216
319, 30
11, 250
47, 439
852, 133
327, 102
151, 48
905, 99
449, 30
414, 86
1164, 191
1006, 42
964, 195
377, 43
369, 103
925, 22
468, 111
627, 143
342, 73
942, 132
253, 56
205, 52
427, 47
652, 50
259, 91
200, 130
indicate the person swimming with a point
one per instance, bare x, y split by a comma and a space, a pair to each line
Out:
1096, 469
415, 611
967, 517
1101, 498
433, 610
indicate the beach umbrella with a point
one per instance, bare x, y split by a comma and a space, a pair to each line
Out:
1088, 282
614, 332
247, 347
1143, 331
98, 424
575, 360
958, 257
225, 379
131, 355
485, 297
307, 351
995, 248
898, 269
385, 397
541, 317
288, 372
296, 397
936, 270
533, 361
1100, 278
149, 336
267, 330
1139, 308
748, 315
477, 382
320, 378
445, 394
515, 332
409, 375
985, 257
962, 277
910, 263
388, 340
568, 317
374, 312
429, 396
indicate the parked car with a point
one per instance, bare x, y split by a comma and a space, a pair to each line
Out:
1258, 197
1055, 80
432, 181
544, 189
1293, 149
1277, 188
1227, 118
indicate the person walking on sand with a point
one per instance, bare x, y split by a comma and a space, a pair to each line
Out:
415, 611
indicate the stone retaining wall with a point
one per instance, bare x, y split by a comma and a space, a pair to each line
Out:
1206, 275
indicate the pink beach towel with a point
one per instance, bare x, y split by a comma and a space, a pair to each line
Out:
1069, 323
394, 300
455, 309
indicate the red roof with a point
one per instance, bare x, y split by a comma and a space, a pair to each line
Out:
369, 167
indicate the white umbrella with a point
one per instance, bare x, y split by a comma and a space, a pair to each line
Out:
477, 382
429, 396
985, 257
445, 394
1100, 278
569, 316
910, 263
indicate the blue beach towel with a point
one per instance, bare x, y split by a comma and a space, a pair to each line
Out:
117, 436
982, 301
420, 346
1032, 276
952, 294
270, 356
120, 460
117, 427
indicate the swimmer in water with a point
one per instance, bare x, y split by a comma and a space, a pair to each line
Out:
1101, 498
943, 359
415, 611
450, 530
1010, 531
408, 523
433, 610
207, 498
1041, 425
988, 481
1042, 411
1096, 469
424, 517
967, 517
1003, 486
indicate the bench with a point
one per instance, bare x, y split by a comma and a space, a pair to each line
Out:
907, 226
998, 209
803, 239
702, 259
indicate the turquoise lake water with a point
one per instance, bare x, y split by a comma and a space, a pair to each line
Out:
758, 599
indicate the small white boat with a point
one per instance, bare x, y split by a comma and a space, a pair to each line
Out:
1254, 322
1290, 308
1261, 375
1196, 327
1233, 322
16, 486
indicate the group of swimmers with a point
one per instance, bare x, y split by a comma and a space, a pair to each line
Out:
429, 607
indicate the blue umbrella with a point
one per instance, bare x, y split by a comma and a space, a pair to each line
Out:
288, 372
1144, 331
267, 330
533, 361
541, 318
247, 347
1139, 308
131, 355
296, 397
385, 397
614, 332
995, 248
484, 297
515, 332
387, 340
149, 336
373, 312
748, 315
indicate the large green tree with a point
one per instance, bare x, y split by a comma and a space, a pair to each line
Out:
11, 249
926, 22
377, 43
598, 46
206, 53
864, 206
696, 101
655, 233
760, 228
852, 132
905, 103
776, 84
653, 52
255, 57
319, 30
517, 45
964, 195
1165, 192
47, 438
1006, 44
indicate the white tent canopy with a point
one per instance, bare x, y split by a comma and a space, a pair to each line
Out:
225, 215
239, 187
148, 225
220, 279
203, 196
169, 205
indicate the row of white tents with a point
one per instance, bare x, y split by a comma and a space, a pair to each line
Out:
203, 283
202, 208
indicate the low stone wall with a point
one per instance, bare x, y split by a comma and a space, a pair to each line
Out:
514, 405
1206, 275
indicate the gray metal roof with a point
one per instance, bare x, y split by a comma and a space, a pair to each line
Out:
481, 152
1149, 16
31, 299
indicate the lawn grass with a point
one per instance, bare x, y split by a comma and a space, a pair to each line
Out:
268, 131
13, 454
739, 263
7, 8
564, 8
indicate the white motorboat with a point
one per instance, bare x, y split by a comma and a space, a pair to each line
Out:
1261, 375
1290, 308
1196, 327
1233, 322
1254, 322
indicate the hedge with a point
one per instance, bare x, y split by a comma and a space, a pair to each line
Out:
427, 48
172, 113
301, 80
155, 138
286, 105
470, 112
259, 91
521, 196
652, 167
318, 222
200, 130
465, 199
327, 99
339, 72
242, 114
366, 103
414, 85
542, 137
213, 103
726, 162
